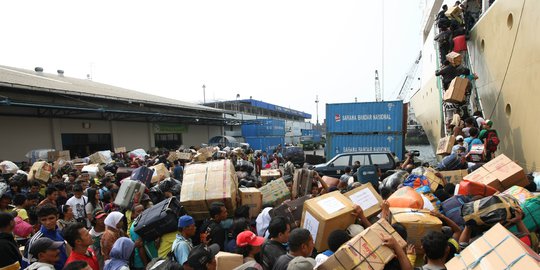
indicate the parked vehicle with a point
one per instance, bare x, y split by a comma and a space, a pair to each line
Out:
336, 166
296, 154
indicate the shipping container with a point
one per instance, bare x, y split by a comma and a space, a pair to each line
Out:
264, 128
337, 144
313, 135
365, 117
267, 144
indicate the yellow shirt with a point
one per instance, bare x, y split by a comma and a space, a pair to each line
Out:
22, 213
165, 245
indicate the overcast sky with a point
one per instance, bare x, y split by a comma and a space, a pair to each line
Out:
282, 52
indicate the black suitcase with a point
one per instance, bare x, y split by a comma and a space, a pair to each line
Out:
159, 219
123, 172
302, 182
292, 210
143, 174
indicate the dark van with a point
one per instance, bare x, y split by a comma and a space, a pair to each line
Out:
336, 166
296, 154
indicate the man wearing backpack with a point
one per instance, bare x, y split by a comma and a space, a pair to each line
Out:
490, 138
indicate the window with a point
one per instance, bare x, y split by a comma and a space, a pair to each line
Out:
380, 159
364, 159
168, 140
342, 161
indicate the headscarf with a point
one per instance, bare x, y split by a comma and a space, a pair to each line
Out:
120, 254
113, 218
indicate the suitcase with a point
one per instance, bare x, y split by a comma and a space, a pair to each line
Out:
124, 172
143, 174
127, 192
302, 182
159, 219
460, 44
452, 208
292, 210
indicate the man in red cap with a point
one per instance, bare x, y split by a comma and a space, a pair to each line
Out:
249, 245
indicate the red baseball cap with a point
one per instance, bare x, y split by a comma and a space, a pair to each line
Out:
246, 238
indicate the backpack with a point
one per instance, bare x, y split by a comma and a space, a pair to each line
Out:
492, 141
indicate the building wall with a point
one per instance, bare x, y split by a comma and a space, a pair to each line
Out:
21, 134
198, 134
132, 135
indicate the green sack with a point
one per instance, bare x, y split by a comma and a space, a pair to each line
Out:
531, 209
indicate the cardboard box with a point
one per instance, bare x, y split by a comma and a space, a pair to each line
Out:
366, 197
228, 261
98, 158
456, 91
445, 145
454, 58
160, 171
454, 177
492, 181
521, 194
369, 243
497, 163
511, 175
121, 149
205, 183
267, 175
54, 155
476, 175
275, 192
40, 170
417, 222
94, 170
325, 214
497, 249
251, 197
454, 13
434, 180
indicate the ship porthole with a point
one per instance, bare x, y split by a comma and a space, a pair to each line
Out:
482, 44
508, 110
510, 21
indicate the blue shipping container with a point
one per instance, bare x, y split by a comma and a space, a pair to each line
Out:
311, 135
365, 117
337, 144
267, 144
263, 128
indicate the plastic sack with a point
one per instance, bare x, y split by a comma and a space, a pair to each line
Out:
137, 153
415, 181
431, 202
22, 228
7, 166
490, 210
38, 154
393, 181
531, 209
470, 188
521, 194
406, 197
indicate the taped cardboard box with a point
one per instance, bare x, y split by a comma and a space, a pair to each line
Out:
497, 249
268, 175
54, 155
511, 175
275, 192
366, 197
454, 177
40, 170
454, 58
121, 149
160, 172
434, 180
457, 90
417, 222
365, 250
481, 175
445, 145
325, 214
205, 183
98, 158
302, 182
497, 163
252, 198
228, 261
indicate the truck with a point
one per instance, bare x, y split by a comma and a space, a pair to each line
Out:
311, 139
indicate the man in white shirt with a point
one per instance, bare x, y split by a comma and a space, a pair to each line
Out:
77, 203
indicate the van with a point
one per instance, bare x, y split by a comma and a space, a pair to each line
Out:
336, 166
296, 154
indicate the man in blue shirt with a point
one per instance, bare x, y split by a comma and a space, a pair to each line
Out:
183, 245
47, 216
455, 161
178, 172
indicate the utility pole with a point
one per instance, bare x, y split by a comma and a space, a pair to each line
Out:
317, 108
204, 93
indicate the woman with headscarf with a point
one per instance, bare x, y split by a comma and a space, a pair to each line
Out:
114, 224
120, 254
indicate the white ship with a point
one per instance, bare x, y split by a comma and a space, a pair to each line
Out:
503, 50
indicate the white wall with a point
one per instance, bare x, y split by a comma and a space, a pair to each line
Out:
198, 134
22, 134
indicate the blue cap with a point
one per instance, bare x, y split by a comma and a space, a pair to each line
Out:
185, 221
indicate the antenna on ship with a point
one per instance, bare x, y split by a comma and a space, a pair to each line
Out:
378, 94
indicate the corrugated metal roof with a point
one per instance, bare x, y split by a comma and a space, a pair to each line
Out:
44, 82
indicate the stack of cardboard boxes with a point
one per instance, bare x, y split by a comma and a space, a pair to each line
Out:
500, 173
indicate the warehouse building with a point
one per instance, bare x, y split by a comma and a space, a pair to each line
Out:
40, 110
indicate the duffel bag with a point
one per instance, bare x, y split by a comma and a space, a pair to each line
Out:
471, 188
490, 210
392, 182
452, 208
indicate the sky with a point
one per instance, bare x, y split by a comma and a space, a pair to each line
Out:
282, 52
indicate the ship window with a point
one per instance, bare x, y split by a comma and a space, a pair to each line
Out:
482, 44
510, 21
508, 110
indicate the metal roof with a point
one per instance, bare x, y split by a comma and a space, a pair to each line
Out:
44, 82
